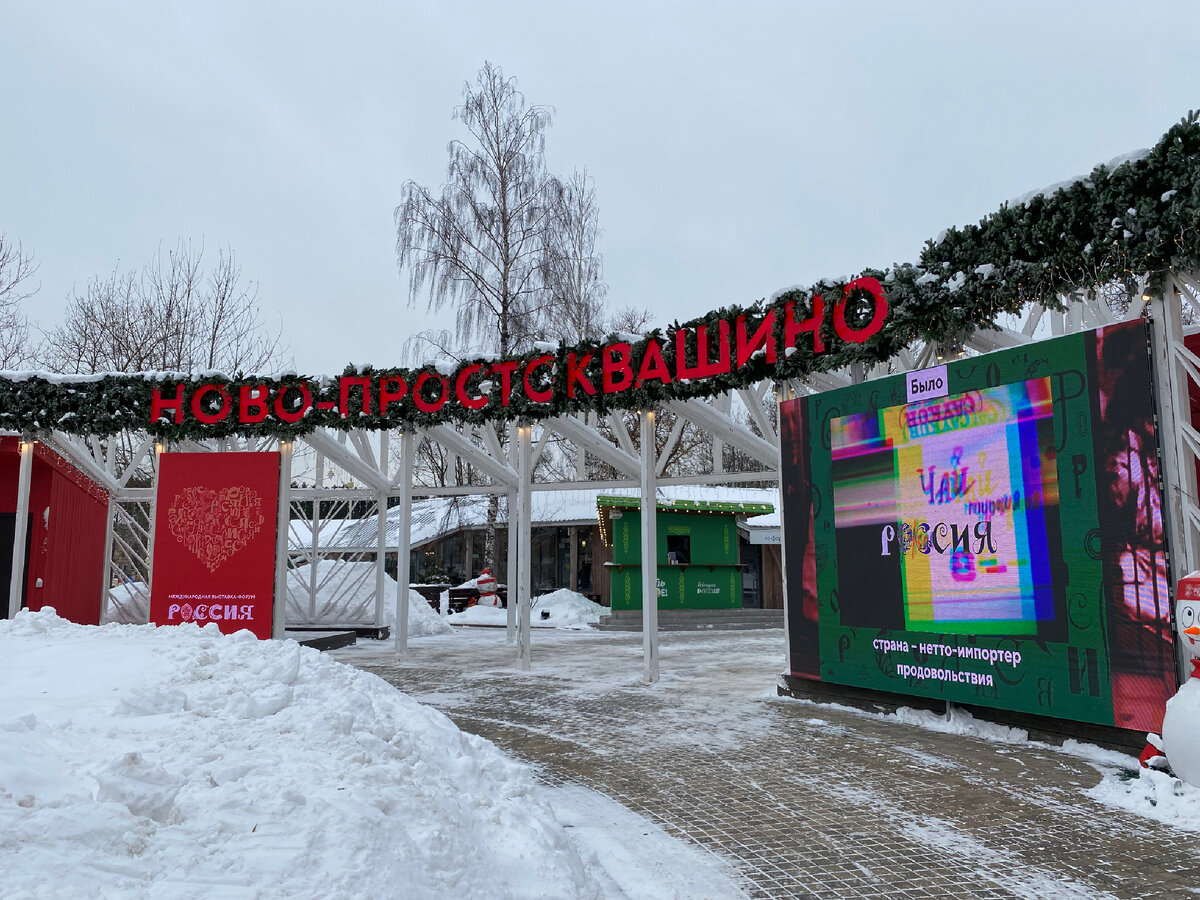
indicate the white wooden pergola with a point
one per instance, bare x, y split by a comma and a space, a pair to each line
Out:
357, 466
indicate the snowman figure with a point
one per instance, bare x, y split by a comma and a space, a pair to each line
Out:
1181, 722
487, 589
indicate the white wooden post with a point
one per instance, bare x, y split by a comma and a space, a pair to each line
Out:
649, 551
316, 540
514, 519
514, 527
380, 559
724, 403
155, 466
106, 575
787, 395
403, 539
524, 592
1171, 383
16, 586
282, 525
381, 572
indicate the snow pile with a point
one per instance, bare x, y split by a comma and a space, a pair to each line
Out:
481, 615
148, 762
346, 596
567, 609
959, 721
1124, 785
1150, 793
1170, 798
422, 618
127, 604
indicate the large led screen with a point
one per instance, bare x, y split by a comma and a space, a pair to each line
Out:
998, 541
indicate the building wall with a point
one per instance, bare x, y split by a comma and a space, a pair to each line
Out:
601, 573
68, 517
702, 572
772, 576
550, 557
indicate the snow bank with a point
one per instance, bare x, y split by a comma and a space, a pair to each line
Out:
1150, 793
567, 609
422, 618
1166, 797
149, 762
346, 596
481, 615
959, 721
127, 604
1123, 785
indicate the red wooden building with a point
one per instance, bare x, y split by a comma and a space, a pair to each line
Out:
65, 545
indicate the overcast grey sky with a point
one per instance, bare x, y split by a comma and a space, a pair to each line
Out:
737, 148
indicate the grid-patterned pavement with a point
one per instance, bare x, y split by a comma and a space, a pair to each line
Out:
804, 800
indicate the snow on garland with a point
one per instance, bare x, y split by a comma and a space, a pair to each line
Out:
1138, 218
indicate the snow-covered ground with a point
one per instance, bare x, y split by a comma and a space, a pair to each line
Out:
178, 762
563, 608
1147, 792
1124, 784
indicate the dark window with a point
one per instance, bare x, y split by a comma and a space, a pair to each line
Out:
679, 549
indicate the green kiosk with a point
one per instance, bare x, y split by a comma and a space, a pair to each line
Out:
698, 565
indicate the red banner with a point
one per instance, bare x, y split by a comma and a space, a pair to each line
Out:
214, 540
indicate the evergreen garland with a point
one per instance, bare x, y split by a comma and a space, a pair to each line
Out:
1141, 218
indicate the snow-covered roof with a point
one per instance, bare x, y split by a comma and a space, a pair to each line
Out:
769, 520
435, 517
300, 531
733, 507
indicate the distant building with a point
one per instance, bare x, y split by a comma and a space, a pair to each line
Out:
448, 535
700, 561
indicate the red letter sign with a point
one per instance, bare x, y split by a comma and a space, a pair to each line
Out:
858, 335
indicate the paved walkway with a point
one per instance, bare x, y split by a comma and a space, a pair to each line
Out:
805, 800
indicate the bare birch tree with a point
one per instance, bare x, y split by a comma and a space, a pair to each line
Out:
573, 270
173, 315
478, 244
16, 270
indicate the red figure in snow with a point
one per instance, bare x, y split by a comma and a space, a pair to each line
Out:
487, 589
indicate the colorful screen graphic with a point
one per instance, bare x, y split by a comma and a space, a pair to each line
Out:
958, 499
999, 545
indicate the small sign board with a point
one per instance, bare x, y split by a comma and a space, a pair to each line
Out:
927, 384
214, 540
765, 536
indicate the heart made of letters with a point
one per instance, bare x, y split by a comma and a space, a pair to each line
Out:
215, 524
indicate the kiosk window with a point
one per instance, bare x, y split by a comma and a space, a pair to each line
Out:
679, 549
